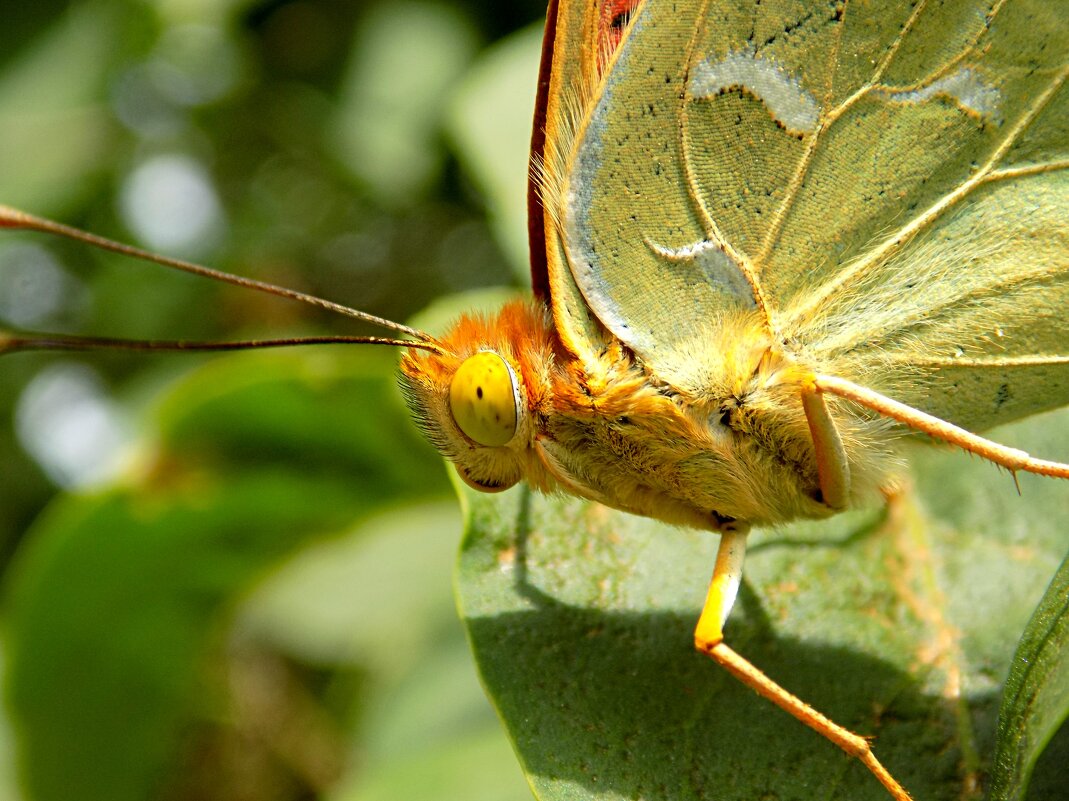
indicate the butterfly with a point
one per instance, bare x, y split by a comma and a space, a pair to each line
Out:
770, 234
766, 243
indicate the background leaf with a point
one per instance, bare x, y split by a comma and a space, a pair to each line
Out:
490, 121
1036, 701
173, 548
135, 659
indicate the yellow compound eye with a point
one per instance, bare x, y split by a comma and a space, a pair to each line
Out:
482, 399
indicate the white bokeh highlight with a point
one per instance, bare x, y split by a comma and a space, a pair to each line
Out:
170, 203
68, 423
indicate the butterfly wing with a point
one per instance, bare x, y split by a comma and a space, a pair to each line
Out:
536, 213
949, 284
573, 37
885, 182
584, 37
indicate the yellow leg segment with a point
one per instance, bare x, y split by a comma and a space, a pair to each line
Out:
833, 469
709, 639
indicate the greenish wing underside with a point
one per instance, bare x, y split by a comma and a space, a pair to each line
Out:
892, 180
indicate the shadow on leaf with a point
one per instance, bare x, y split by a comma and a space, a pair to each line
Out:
583, 640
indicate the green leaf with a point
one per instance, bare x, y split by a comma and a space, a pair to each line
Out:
490, 122
118, 602
1036, 700
55, 135
475, 766
406, 58
380, 600
898, 623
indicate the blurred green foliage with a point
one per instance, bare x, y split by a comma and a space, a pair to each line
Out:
243, 589
292, 123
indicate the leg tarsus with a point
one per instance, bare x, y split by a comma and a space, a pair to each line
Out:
852, 744
709, 639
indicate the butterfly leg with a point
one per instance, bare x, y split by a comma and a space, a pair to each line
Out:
709, 639
1010, 458
832, 468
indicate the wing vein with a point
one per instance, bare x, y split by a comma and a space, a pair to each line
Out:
896, 240
995, 290
712, 231
991, 361
798, 178
1028, 169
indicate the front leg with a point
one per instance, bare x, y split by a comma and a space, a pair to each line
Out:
833, 470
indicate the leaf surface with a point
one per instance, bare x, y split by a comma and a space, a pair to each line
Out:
1036, 701
898, 623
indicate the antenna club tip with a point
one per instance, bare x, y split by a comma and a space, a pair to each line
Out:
14, 218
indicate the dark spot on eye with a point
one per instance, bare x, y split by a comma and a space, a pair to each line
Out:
479, 393
817, 495
725, 417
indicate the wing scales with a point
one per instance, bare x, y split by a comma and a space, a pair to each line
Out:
626, 201
898, 147
929, 185
966, 304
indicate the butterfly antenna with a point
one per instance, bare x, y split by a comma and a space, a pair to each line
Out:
12, 341
20, 220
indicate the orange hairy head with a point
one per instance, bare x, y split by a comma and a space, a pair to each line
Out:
481, 400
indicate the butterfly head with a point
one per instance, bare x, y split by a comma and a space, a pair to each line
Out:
478, 401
